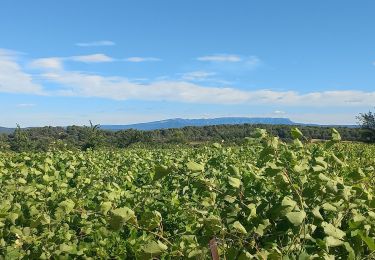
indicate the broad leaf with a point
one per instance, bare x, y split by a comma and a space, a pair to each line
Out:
296, 218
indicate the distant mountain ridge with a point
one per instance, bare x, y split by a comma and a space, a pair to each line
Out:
5, 130
180, 122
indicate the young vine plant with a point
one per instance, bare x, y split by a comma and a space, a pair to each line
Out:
265, 199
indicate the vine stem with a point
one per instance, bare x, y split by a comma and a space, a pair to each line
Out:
154, 233
294, 188
302, 207
213, 248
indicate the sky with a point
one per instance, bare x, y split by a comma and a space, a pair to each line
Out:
120, 62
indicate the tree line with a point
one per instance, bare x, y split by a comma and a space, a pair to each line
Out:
83, 138
89, 137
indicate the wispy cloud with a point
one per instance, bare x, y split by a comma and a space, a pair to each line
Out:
12, 77
141, 59
57, 63
47, 63
220, 58
26, 105
10, 54
252, 61
198, 75
232, 61
93, 58
279, 112
95, 44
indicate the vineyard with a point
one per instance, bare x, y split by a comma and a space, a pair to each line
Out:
265, 199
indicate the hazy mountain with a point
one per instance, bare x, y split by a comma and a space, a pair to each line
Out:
5, 130
179, 123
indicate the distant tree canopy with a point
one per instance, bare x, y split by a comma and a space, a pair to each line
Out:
92, 137
19, 141
367, 122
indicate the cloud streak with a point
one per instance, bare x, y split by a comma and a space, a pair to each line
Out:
53, 63
25, 105
198, 75
95, 44
141, 59
93, 58
232, 61
57, 62
220, 58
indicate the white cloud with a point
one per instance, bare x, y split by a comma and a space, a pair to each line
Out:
234, 62
197, 75
221, 58
141, 59
12, 77
26, 105
10, 54
279, 112
95, 44
93, 58
88, 85
80, 84
56, 63
47, 63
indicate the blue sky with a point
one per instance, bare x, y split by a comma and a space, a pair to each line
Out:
119, 62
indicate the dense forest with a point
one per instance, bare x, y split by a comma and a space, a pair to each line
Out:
83, 137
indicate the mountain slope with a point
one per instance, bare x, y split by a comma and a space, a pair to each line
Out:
179, 123
5, 130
